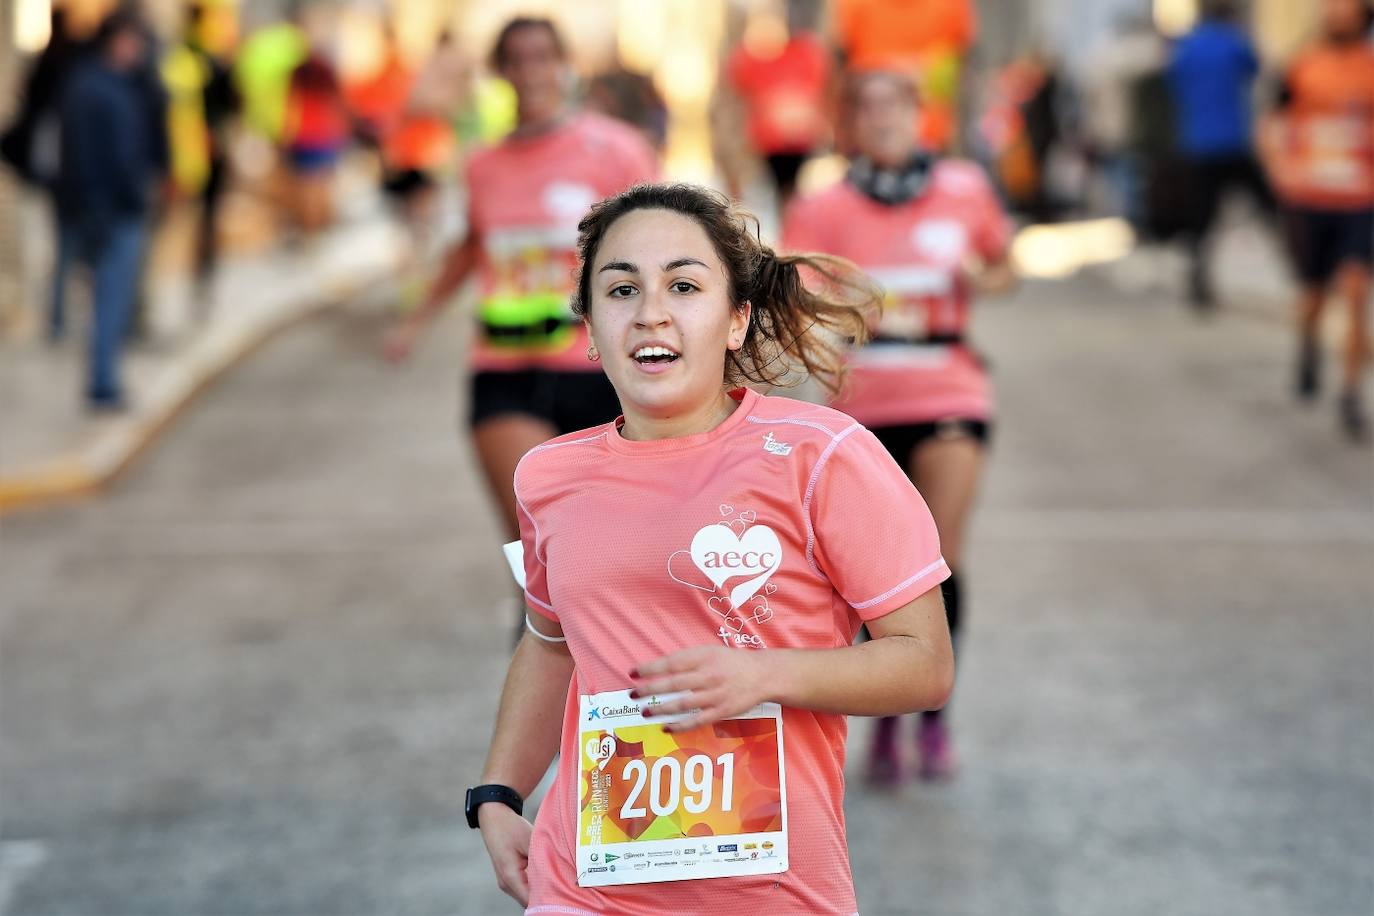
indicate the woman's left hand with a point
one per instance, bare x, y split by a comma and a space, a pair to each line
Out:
716, 682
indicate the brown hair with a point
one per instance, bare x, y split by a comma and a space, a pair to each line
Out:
792, 325
497, 59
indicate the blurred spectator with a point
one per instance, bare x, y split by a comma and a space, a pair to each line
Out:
1211, 73
929, 36
782, 85
315, 131
203, 102
630, 97
262, 75
1021, 128
32, 145
148, 79
378, 100
1134, 50
1319, 150
111, 158
445, 83
480, 107
420, 149
1166, 204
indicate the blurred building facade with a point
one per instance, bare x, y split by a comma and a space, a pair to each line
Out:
1066, 29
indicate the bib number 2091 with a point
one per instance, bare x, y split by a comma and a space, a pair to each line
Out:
653, 806
691, 783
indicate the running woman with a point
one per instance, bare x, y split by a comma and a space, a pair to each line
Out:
696, 573
531, 376
1319, 148
916, 224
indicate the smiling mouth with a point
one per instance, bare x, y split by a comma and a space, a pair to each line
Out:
648, 356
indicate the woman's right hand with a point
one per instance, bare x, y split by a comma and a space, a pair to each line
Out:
507, 836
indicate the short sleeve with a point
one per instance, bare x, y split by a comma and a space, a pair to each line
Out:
873, 535
536, 573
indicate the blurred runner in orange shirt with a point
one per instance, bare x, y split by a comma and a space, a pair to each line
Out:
1319, 149
931, 35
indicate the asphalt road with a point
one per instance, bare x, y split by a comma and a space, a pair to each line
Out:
256, 678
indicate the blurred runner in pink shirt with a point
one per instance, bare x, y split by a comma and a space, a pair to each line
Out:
531, 376
697, 571
926, 230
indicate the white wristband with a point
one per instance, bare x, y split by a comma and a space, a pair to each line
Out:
529, 626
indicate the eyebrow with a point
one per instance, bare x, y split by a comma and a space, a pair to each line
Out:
629, 268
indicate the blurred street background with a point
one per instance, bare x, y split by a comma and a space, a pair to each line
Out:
253, 611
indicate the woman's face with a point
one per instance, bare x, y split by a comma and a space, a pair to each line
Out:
884, 120
533, 64
661, 314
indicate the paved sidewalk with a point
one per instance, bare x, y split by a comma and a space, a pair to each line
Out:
51, 448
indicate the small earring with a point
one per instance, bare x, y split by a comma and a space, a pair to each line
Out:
592, 354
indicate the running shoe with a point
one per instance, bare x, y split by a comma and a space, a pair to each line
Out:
1309, 369
1354, 420
936, 749
884, 758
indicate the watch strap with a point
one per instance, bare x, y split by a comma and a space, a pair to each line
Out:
480, 795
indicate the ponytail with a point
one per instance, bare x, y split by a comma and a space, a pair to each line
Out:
797, 323
799, 327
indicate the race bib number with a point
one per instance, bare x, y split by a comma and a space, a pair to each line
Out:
654, 806
526, 302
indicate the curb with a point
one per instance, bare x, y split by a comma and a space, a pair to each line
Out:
90, 469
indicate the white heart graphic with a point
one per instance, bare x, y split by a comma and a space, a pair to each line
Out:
676, 578
601, 751
720, 555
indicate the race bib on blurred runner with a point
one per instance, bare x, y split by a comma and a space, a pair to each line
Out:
653, 806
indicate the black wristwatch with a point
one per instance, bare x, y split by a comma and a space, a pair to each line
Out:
480, 795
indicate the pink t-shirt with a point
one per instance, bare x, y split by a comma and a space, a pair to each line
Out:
915, 252
607, 526
526, 196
